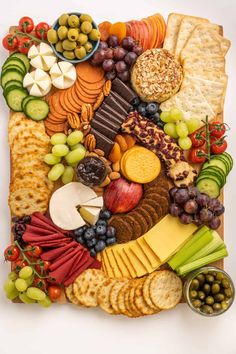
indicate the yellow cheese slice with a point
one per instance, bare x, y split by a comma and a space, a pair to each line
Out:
113, 263
139, 268
166, 237
141, 256
121, 265
125, 259
108, 267
153, 259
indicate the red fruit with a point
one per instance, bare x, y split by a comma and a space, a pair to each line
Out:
54, 292
26, 24
41, 30
10, 42
24, 45
196, 155
11, 253
109, 53
122, 196
19, 264
198, 138
40, 283
42, 266
217, 129
218, 146
34, 251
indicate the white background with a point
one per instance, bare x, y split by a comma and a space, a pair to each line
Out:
66, 329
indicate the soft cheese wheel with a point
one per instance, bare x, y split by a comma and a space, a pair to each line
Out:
38, 83
42, 56
63, 75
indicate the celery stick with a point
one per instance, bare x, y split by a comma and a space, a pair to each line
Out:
220, 247
183, 270
200, 241
208, 249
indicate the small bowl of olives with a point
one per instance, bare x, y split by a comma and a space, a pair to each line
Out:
74, 37
209, 291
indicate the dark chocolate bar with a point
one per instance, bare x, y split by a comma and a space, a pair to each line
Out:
121, 101
112, 102
113, 112
123, 90
106, 121
111, 116
105, 130
102, 142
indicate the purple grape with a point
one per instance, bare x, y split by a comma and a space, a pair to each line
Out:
191, 206
202, 200
205, 215
214, 204
124, 76
137, 49
220, 210
109, 53
193, 192
196, 220
113, 41
186, 218
172, 192
26, 219
181, 196
103, 45
175, 209
130, 58
108, 65
119, 53
111, 75
214, 223
20, 228
128, 43
99, 56
121, 66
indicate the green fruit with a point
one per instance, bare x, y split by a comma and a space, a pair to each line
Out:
62, 32
86, 27
73, 34
94, 35
63, 20
59, 47
85, 17
52, 36
80, 52
73, 21
88, 47
69, 54
68, 45
82, 38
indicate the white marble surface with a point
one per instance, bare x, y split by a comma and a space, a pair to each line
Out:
65, 329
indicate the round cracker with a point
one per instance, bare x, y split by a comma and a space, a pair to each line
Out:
146, 294
121, 299
70, 295
104, 296
140, 302
113, 296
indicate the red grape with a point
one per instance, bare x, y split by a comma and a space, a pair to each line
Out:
214, 204
119, 53
175, 209
196, 220
193, 192
128, 43
121, 66
186, 218
214, 223
172, 192
220, 210
108, 65
202, 200
111, 75
137, 49
113, 41
191, 206
103, 45
109, 53
181, 196
205, 215
130, 58
124, 76
99, 56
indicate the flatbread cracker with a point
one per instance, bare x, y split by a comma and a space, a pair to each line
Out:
172, 30
212, 62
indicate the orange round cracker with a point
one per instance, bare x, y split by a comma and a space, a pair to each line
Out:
56, 105
74, 102
89, 73
94, 87
66, 103
80, 90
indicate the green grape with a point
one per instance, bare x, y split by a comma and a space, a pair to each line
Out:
21, 284
75, 137
68, 175
24, 298
75, 156
25, 272
165, 116
185, 143
60, 150
9, 286
175, 115
73, 147
170, 129
56, 171
35, 293
182, 129
46, 302
58, 138
12, 276
30, 280
13, 294
193, 124
51, 159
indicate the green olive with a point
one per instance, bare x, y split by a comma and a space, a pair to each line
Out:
88, 47
212, 273
217, 306
197, 303
219, 297
209, 278
201, 295
80, 52
86, 27
73, 34
63, 20
94, 35
52, 36
201, 279
215, 288
68, 45
62, 32
209, 300
59, 47
73, 21
219, 276
69, 54
207, 309
206, 288
224, 305
82, 38
225, 283
194, 285
86, 17
228, 292
193, 294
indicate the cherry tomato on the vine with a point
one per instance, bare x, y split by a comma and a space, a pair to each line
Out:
217, 129
19, 264
198, 138
24, 45
11, 253
34, 251
218, 145
196, 155
54, 292
10, 42
40, 283
41, 30
26, 24
42, 266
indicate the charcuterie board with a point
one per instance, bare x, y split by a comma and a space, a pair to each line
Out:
118, 162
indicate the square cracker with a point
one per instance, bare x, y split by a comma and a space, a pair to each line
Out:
212, 62
172, 30
207, 74
191, 102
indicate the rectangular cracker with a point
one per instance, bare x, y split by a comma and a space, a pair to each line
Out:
207, 74
172, 30
212, 62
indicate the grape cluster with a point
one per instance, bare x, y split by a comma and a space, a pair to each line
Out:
191, 206
149, 110
116, 59
19, 226
97, 237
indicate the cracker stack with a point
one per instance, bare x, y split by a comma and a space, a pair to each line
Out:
201, 49
30, 188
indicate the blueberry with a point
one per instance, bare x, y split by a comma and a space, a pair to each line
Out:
89, 234
102, 237
105, 214
101, 222
93, 253
80, 240
160, 125
94, 227
135, 102
80, 231
111, 241
101, 230
151, 108
142, 109
111, 231
91, 243
100, 246
155, 118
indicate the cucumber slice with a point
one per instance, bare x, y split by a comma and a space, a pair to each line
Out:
15, 97
222, 160
27, 99
13, 83
13, 87
36, 109
13, 67
217, 171
217, 163
210, 176
230, 159
15, 62
22, 57
11, 74
209, 187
